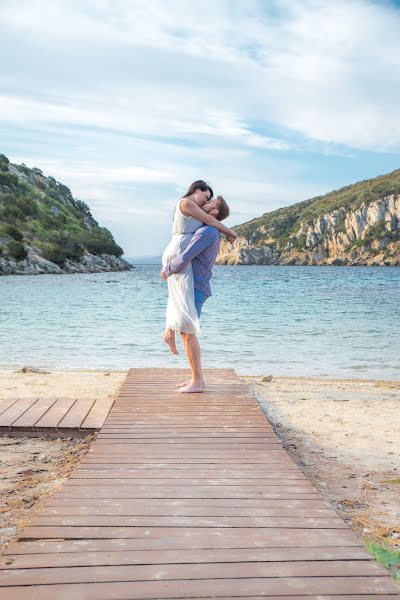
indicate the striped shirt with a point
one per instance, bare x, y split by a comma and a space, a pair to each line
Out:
202, 251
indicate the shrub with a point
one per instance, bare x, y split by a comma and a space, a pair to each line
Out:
13, 214
67, 245
83, 208
22, 168
53, 253
19, 207
8, 179
17, 249
4, 163
299, 243
14, 232
376, 231
100, 241
388, 556
51, 221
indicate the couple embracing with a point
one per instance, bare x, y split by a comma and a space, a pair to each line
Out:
187, 262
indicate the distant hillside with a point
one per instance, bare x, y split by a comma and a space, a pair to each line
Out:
145, 260
44, 229
356, 225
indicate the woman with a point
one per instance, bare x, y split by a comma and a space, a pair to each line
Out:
188, 217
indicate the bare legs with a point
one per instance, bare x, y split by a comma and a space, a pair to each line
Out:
169, 338
192, 350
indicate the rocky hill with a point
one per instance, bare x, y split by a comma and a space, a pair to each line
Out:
44, 229
356, 225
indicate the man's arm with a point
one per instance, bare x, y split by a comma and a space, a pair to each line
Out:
204, 237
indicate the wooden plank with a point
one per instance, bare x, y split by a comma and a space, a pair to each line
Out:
56, 413
163, 509
212, 588
86, 472
35, 412
316, 539
267, 483
182, 572
15, 411
59, 500
294, 521
6, 403
98, 413
77, 413
150, 557
189, 537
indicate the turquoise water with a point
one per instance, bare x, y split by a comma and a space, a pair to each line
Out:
320, 321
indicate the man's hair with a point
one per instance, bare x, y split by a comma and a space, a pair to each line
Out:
198, 185
223, 208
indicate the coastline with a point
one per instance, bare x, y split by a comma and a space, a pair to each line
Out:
341, 432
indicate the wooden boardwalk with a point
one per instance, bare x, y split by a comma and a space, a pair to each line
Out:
44, 415
188, 496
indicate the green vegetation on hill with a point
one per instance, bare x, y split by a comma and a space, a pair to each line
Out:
281, 223
41, 212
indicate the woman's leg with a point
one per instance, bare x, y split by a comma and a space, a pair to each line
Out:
169, 338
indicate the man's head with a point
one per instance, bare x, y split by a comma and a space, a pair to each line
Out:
217, 207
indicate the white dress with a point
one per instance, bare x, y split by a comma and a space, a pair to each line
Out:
181, 311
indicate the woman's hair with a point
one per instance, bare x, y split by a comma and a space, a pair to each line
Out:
223, 208
199, 185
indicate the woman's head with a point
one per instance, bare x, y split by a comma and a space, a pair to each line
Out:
201, 192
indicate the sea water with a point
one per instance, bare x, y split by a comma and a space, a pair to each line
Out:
304, 321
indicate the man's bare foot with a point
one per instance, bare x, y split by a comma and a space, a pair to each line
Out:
178, 385
169, 338
193, 387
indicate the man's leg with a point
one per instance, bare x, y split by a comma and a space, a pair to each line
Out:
199, 299
192, 350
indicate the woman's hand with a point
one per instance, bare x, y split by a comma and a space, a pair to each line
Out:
231, 236
163, 275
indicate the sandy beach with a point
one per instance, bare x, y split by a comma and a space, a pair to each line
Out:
343, 433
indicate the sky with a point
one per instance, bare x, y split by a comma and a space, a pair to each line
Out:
128, 101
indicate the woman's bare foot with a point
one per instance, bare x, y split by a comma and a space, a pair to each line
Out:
178, 385
169, 338
193, 387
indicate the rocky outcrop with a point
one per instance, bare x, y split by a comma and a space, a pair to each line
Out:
34, 264
368, 235
44, 229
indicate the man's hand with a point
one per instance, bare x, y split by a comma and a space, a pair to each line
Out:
163, 276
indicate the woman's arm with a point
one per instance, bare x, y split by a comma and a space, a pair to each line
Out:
190, 207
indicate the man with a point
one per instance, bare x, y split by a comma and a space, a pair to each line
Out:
202, 252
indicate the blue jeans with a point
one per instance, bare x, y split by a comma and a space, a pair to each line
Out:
199, 299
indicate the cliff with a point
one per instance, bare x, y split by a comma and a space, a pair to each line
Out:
44, 229
356, 225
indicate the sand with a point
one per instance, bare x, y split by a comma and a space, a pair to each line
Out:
344, 435
80, 384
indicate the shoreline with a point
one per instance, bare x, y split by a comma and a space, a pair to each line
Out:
312, 378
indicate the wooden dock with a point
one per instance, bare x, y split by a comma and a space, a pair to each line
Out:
189, 496
47, 415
